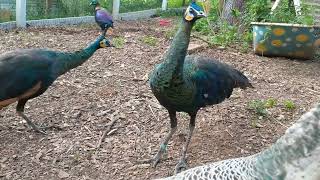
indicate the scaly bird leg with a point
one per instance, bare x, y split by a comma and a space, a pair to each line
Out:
164, 144
182, 164
103, 32
20, 109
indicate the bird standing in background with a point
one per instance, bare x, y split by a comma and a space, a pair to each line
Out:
295, 156
102, 17
187, 83
27, 73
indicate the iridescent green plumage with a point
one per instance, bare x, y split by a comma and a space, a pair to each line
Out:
27, 73
187, 83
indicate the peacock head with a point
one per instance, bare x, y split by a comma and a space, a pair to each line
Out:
194, 12
94, 3
105, 43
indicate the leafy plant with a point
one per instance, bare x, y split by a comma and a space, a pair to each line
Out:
270, 103
259, 107
118, 42
223, 34
288, 104
150, 40
177, 3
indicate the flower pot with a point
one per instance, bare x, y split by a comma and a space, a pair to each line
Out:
286, 40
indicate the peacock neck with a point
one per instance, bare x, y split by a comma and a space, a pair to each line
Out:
297, 145
72, 60
178, 50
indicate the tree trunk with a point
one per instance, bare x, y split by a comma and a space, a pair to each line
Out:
228, 7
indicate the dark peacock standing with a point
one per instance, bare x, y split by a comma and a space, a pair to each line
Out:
187, 83
27, 73
102, 17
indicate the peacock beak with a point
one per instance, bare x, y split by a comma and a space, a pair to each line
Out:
201, 14
105, 43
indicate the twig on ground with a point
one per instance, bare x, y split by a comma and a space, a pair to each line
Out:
153, 114
107, 132
229, 133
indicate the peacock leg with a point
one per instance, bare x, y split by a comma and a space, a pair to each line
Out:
182, 164
164, 144
20, 109
103, 31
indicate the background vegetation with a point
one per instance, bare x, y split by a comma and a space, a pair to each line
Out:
221, 33
39, 9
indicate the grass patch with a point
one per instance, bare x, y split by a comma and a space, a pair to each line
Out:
118, 42
150, 40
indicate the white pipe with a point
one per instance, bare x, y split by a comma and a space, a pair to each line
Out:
21, 13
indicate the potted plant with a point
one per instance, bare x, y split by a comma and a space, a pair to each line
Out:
287, 32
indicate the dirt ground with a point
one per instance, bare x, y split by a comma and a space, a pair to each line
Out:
112, 86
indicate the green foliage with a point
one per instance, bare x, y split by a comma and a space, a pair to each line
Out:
118, 42
138, 5
266, 109
36, 9
177, 3
288, 104
227, 35
170, 12
221, 33
6, 15
259, 107
150, 40
270, 103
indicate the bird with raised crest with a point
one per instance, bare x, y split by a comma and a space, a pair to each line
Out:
102, 17
295, 156
186, 83
28, 73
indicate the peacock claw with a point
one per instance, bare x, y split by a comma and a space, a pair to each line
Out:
181, 166
155, 161
37, 129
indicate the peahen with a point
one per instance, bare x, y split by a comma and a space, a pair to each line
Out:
27, 73
295, 156
102, 17
187, 83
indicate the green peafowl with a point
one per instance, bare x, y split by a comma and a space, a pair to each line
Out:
27, 73
187, 83
295, 156
102, 17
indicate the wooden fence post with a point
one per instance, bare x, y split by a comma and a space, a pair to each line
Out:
115, 9
21, 13
164, 5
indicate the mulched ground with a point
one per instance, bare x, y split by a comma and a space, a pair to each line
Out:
112, 86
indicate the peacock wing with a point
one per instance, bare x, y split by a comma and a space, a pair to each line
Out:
103, 17
21, 72
211, 79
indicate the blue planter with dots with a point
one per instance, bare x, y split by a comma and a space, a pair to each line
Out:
286, 40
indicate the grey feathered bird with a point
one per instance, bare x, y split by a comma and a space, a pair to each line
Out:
295, 156
188, 83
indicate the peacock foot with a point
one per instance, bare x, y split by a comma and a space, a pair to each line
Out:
38, 129
156, 159
181, 166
